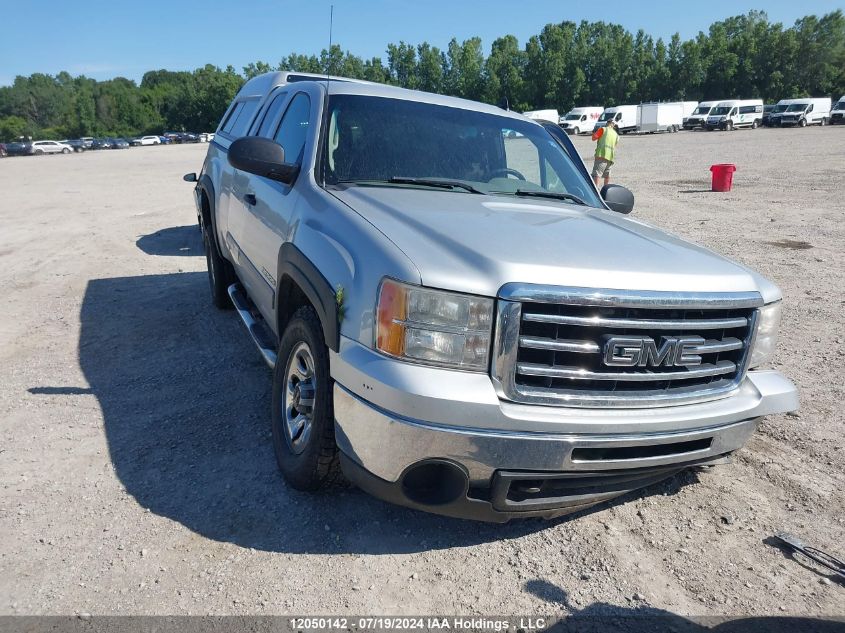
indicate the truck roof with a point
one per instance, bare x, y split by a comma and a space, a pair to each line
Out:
261, 85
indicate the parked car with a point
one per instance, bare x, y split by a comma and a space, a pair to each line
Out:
165, 140
3, 152
736, 113
580, 120
101, 143
149, 140
174, 137
77, 144
837, 113
485, 337
50, 147
119, 143
87, 141
807, 111
19, 148
206, 137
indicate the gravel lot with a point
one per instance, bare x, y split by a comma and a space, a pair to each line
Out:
135, 458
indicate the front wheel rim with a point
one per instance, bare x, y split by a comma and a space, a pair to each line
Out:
300, 389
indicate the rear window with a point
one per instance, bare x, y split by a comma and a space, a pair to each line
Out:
239, 118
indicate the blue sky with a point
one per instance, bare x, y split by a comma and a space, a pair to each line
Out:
108, 38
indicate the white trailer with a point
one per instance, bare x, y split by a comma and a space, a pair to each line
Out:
664, 117
627, 118
580, 120
808, 111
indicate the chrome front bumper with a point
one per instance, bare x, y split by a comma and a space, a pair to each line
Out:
391, 417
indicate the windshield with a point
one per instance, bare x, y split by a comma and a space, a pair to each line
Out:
781, 107
796, 107
607, 116
839, 106
702, 110
721, 110
371, 140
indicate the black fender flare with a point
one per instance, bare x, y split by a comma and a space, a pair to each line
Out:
207, 187
294, 264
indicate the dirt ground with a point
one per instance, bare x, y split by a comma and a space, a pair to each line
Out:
135, 459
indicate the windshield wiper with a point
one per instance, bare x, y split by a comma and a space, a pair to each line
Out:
443, 183
554, 195
440, 183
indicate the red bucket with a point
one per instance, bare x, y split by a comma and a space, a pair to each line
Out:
723, 176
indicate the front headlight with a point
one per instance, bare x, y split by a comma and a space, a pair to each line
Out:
766, 334
433, 327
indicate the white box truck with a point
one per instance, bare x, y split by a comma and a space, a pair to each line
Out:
543, 115
581, 120
698, 117
664, 117
807, 111
837, 114
736, 113
627, 118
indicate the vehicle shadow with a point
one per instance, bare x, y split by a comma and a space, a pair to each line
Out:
185, 400
176, 241
601, 617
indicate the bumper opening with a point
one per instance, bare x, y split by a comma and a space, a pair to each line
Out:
640, 452
434, 482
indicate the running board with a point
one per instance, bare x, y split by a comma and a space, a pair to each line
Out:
254, 325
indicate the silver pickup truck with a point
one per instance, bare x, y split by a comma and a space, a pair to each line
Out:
457, 319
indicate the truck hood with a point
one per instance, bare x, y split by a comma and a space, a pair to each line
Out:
477, 243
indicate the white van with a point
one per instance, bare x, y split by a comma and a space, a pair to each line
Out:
579, 120
698, 117
808, 111
837, 114
543, 115
664, 117
736, 113
627, 118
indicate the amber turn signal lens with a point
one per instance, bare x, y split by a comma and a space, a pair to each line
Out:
392, 311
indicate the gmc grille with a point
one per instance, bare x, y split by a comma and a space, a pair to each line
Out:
557, 353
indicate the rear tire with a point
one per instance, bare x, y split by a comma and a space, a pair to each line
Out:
65, 151
824, 121
303, 410
220, 273
729, 126
39, 152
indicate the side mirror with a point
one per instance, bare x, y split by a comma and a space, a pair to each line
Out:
262, 157
192, 177
618, 198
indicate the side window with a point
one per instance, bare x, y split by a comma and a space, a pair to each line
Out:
294, 128
271, 114
618, 116
233, 116
241, 124
810, 109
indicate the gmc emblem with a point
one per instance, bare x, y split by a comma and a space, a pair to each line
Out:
642, 351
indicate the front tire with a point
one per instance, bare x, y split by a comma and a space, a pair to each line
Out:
303, 410
802, 123
754, 124
729, 126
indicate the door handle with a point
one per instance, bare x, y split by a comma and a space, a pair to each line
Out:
250, 199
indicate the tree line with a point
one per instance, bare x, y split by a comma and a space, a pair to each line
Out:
565, 65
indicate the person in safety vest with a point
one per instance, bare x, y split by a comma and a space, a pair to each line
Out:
607, 137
